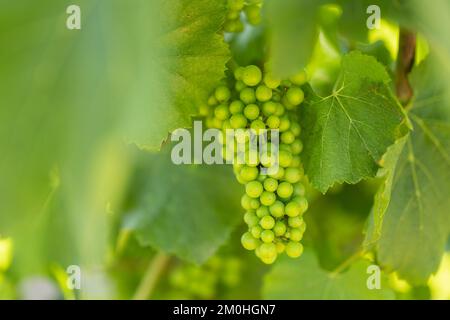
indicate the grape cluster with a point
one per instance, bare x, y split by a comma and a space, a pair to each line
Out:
274, 201
251, 9
187, 281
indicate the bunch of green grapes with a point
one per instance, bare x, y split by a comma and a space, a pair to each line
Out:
274, 201
251, 10
189, 281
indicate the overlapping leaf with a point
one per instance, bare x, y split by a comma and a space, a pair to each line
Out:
347, 132
303, 279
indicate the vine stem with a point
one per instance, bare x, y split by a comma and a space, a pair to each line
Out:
151, 276
405, 62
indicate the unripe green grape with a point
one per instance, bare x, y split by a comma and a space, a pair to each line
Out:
251, 219
277, 209
262, 178
212, 101
297, 146
238, 121
253, 13
279, 174
222, 94
270, 184
236, 5
296, 234
292, 175
285, 158
233, 15
240, 180
285, 190
280, 110
267, 250
254, 189
251, 111
295, 96
296, 128
299, 189
294, 222
299, 78
285, 147
252, 158
294, 249
285, 124
302, 202
239, 86
247, 95
280, 247
267, 236
287, 137
236, 106
267, 222
262, 211
293, 209
269, 108
221, 112
273, 122
249, 242
249, 173
286, 83
256, 231
254, 204
263, 93
251, 76
279, 228
271, 82
258, 125
269, 260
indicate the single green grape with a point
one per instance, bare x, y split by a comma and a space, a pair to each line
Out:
297, 146
285, 158
251, 76
295, 96
256, 231
238, 121
277, 209
292, 175
222, 94
254, 189
236, 106
279, 228
267, 222
251, 219
251, 111
287, 137
295, 234
269, 108
295, 128
300, 78
280, 247
267, 236
299, 189
285, 124
294, 222
293, 209
247, 95
236, 5
294, 249
249, 242
262, 211
249, 173
303, 203
273, 122
271, 184
221, 112
263, 93
285, 190
271, 82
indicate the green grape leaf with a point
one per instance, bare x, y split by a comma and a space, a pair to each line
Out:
303, 279
346, 133
135, 71
185, 210
410, 223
